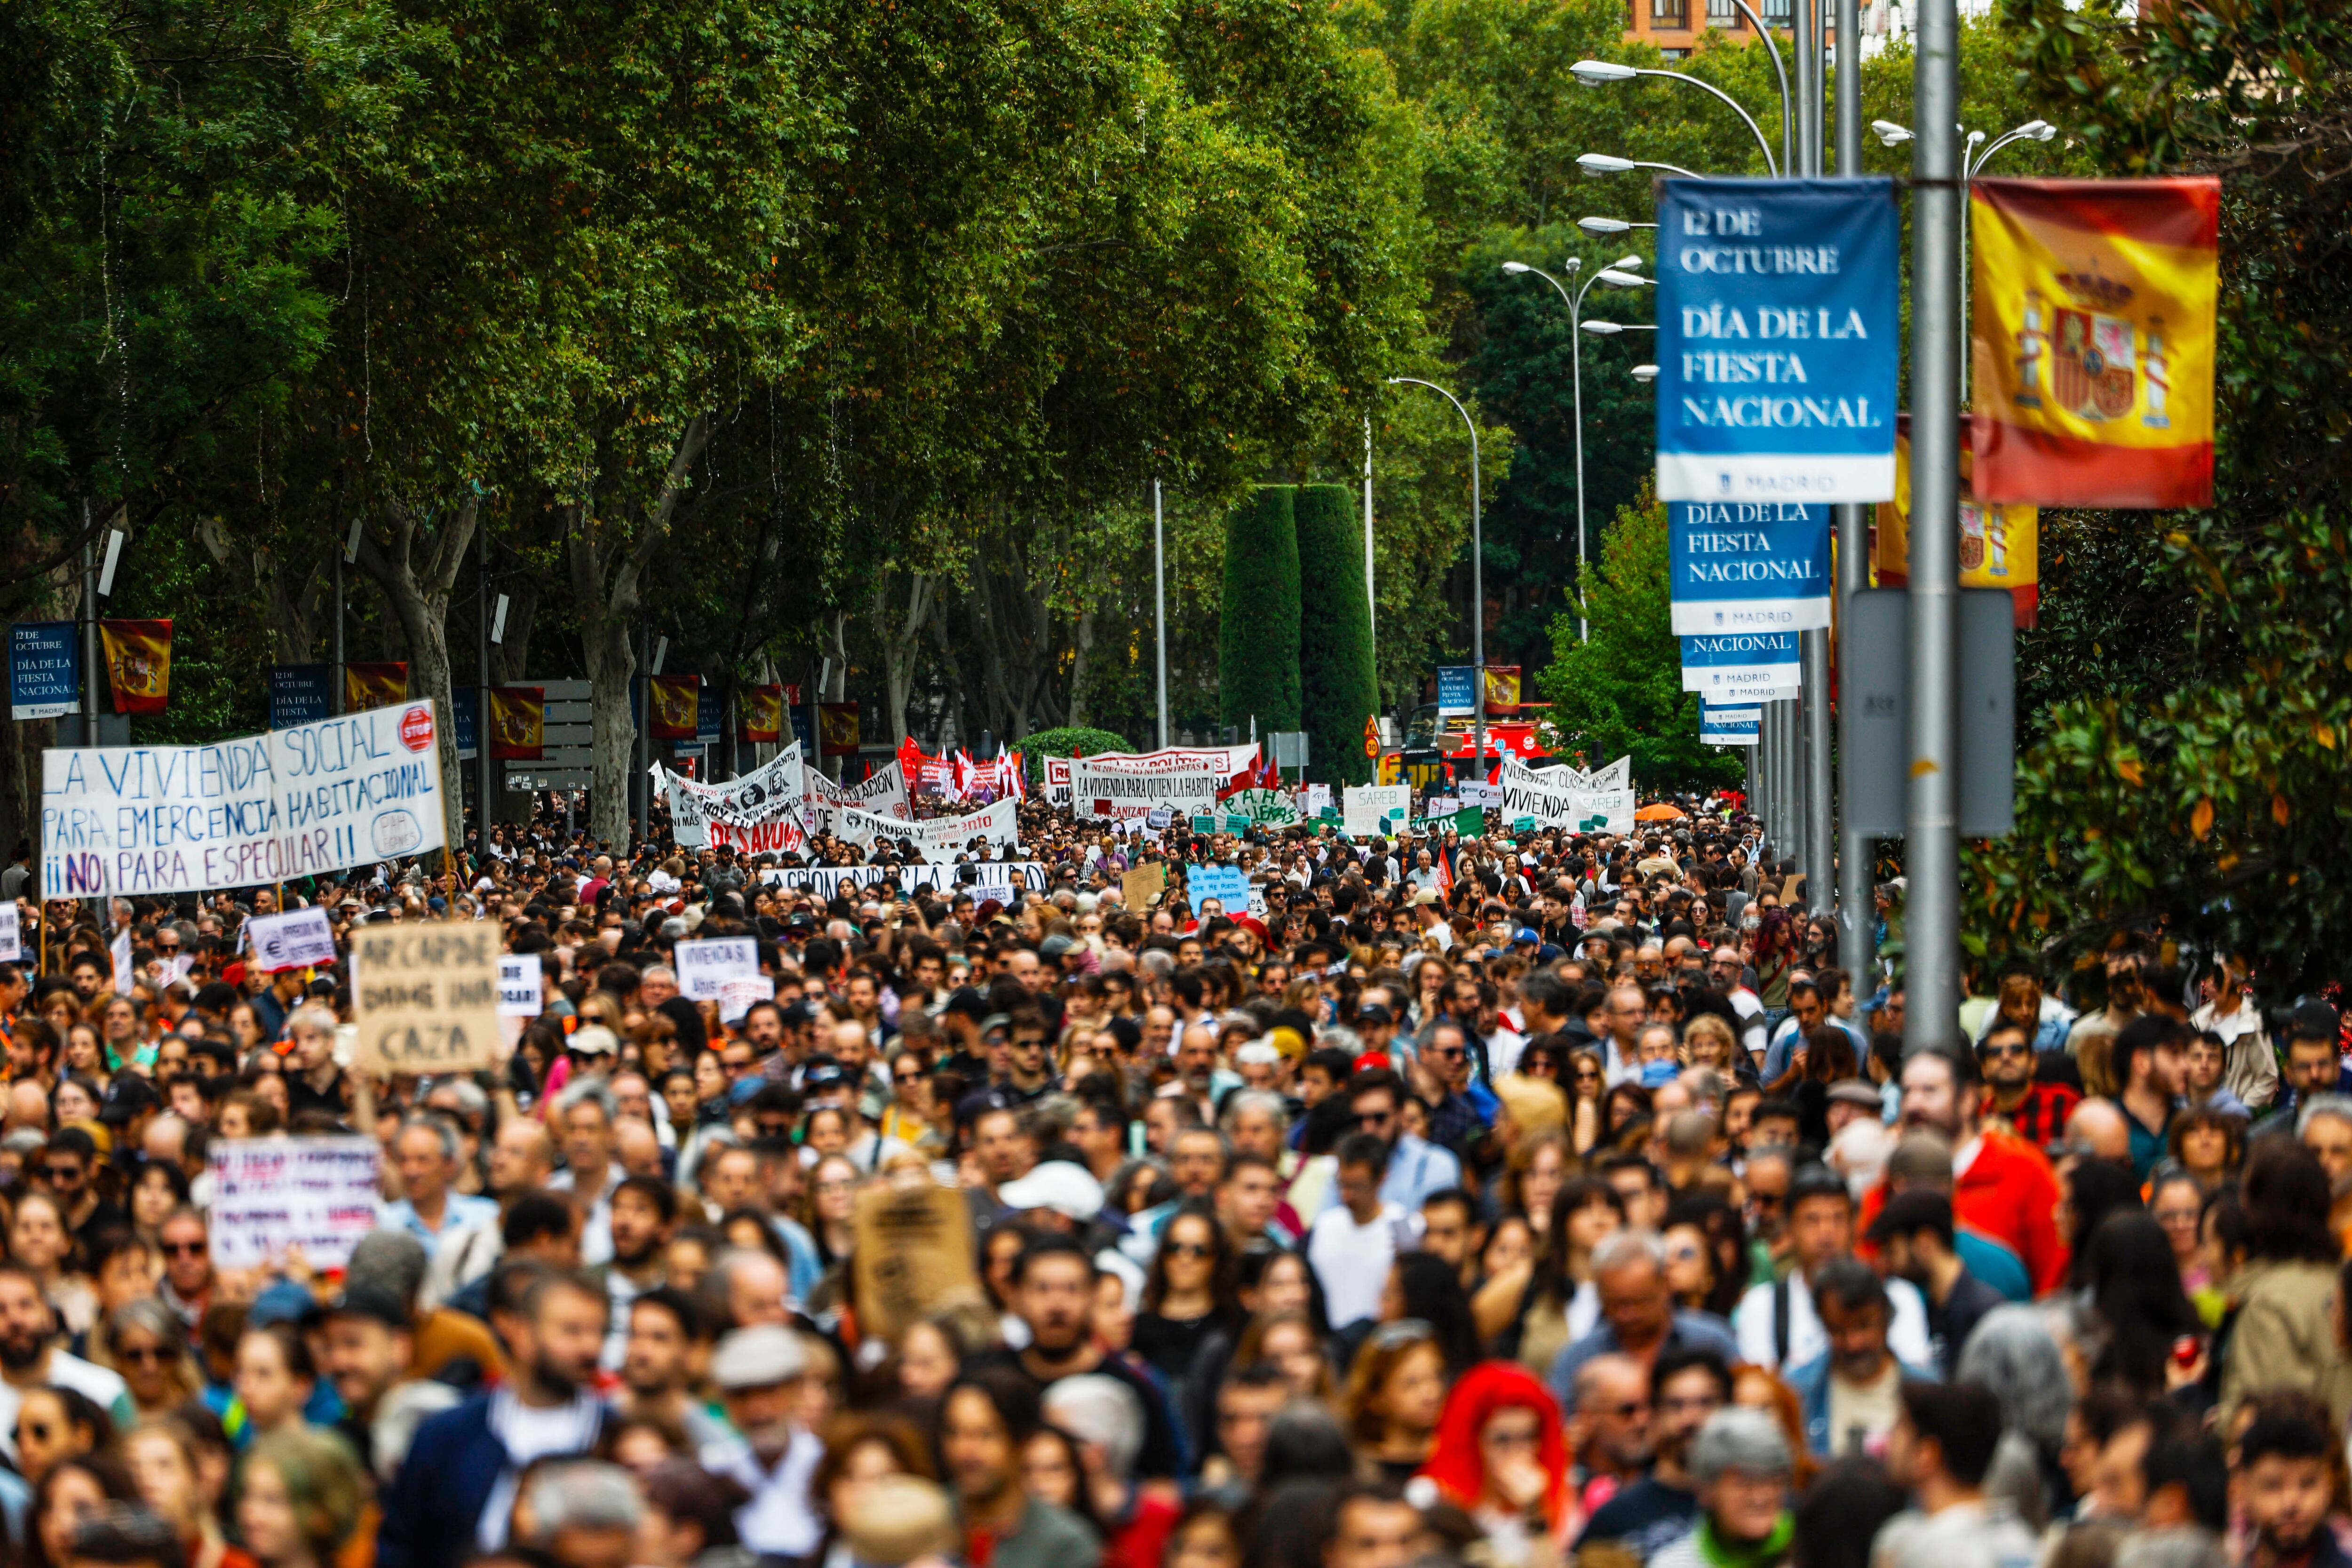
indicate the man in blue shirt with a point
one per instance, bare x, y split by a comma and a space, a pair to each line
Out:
1416, 1166
1638, 1314
425, 1153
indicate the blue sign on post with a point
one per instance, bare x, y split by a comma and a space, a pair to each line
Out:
800, 717
300, 694
1741, 664
707, 716
465, 713
1458, 690
1734, 725
44, 669
1776, 340
1747, 566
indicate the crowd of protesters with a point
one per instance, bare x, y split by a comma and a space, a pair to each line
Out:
1494, 1202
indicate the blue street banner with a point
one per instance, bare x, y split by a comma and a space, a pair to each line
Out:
300, 694
1458, 690
1747, 566
44, 669
1721, 724
1740, 663
1776, 340
465, 718
707, 716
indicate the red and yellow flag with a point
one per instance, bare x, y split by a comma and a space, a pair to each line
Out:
758, 713
367, 686
518, 722
836, 724
138, 663
678, 706
1999, 545
1502, 685
2093, 339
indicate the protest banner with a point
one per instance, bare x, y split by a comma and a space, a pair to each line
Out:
1225, 762
1104, 789
738, 994
1778, 340
703, 967
1602, 811
1140, 885
1477, 792
521, 985
2093, 340
300, 939
12, 942
1369, 809
939, 839
1205, 826
138, 663
884, 795
1738, 664
309, 801
44, 669
273, 1194
911, 1253
426, 995
1272, 806
1540, 794
1747, 566
830, 881
1229, 885
762, 804
1440, 806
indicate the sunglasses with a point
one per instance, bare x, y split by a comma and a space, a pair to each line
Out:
1189, 1248
1374, 1118
1449, 1054
62, 1172
186, 1248
2014, 1049
143, 1354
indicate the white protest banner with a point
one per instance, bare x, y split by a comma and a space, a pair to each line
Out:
521, 985
1473, 792
1618, 774
939, 839
12, 945
1546, 794
117, 821
828, 882
1267, 805
1441, 806
736, 996
884, 795
1319, 799
119, 950
426, 995
270, 1195
1104, 791
1223, 760
1602, 811
300, 940
705, 967
762, 804
1369, 809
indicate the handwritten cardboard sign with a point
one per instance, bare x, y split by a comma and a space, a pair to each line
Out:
273, 1193
912, 1252
1138, 887
426, 996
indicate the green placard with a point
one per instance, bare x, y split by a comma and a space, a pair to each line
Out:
1523, 824
1236, 824
1204, 824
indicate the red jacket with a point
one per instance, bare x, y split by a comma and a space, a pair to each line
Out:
2009, 1193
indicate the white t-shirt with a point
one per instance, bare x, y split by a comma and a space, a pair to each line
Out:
1907, 1334
1352, 1261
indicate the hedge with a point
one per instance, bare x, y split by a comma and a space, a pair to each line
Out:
1339, 688
1257, 636
1068, 741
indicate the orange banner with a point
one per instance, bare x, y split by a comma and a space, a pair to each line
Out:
367, 686
138, 663
2092, 338
836, 724
760, 713
518, 722
678, 706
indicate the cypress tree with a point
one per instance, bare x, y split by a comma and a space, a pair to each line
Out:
1339, 688
1257, 634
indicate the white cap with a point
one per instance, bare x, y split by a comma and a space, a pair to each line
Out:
760, 1356
1057, 1184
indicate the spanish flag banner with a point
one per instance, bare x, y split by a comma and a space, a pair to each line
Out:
138, 663
2093, 339
1502, 685
1999, 545
367, 686
836, 725
518, 722
758, 713
678, 706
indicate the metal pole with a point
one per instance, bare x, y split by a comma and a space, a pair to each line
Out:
1857, 917
335, 697
1931, 813
1477, 572
90, 664
1159, 598
1576, 377
1805, 39
641, 775
1764, 36
484, 767
1821, 832
1372, 600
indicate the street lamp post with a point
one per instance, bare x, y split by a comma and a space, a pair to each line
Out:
1477, 573
1597, 73
1617, 276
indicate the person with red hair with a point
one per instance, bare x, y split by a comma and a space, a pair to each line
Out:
1500, 1456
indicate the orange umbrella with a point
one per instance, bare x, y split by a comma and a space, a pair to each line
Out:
1661, 812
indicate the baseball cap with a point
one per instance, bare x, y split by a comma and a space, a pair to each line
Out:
128, 1096
594, 1040
1066, 1189
760, 1356
371, 1301
1528, 934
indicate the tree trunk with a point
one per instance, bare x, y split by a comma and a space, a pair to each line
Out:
416, 566
511, 658
612, 658
1081, 659
901, 632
